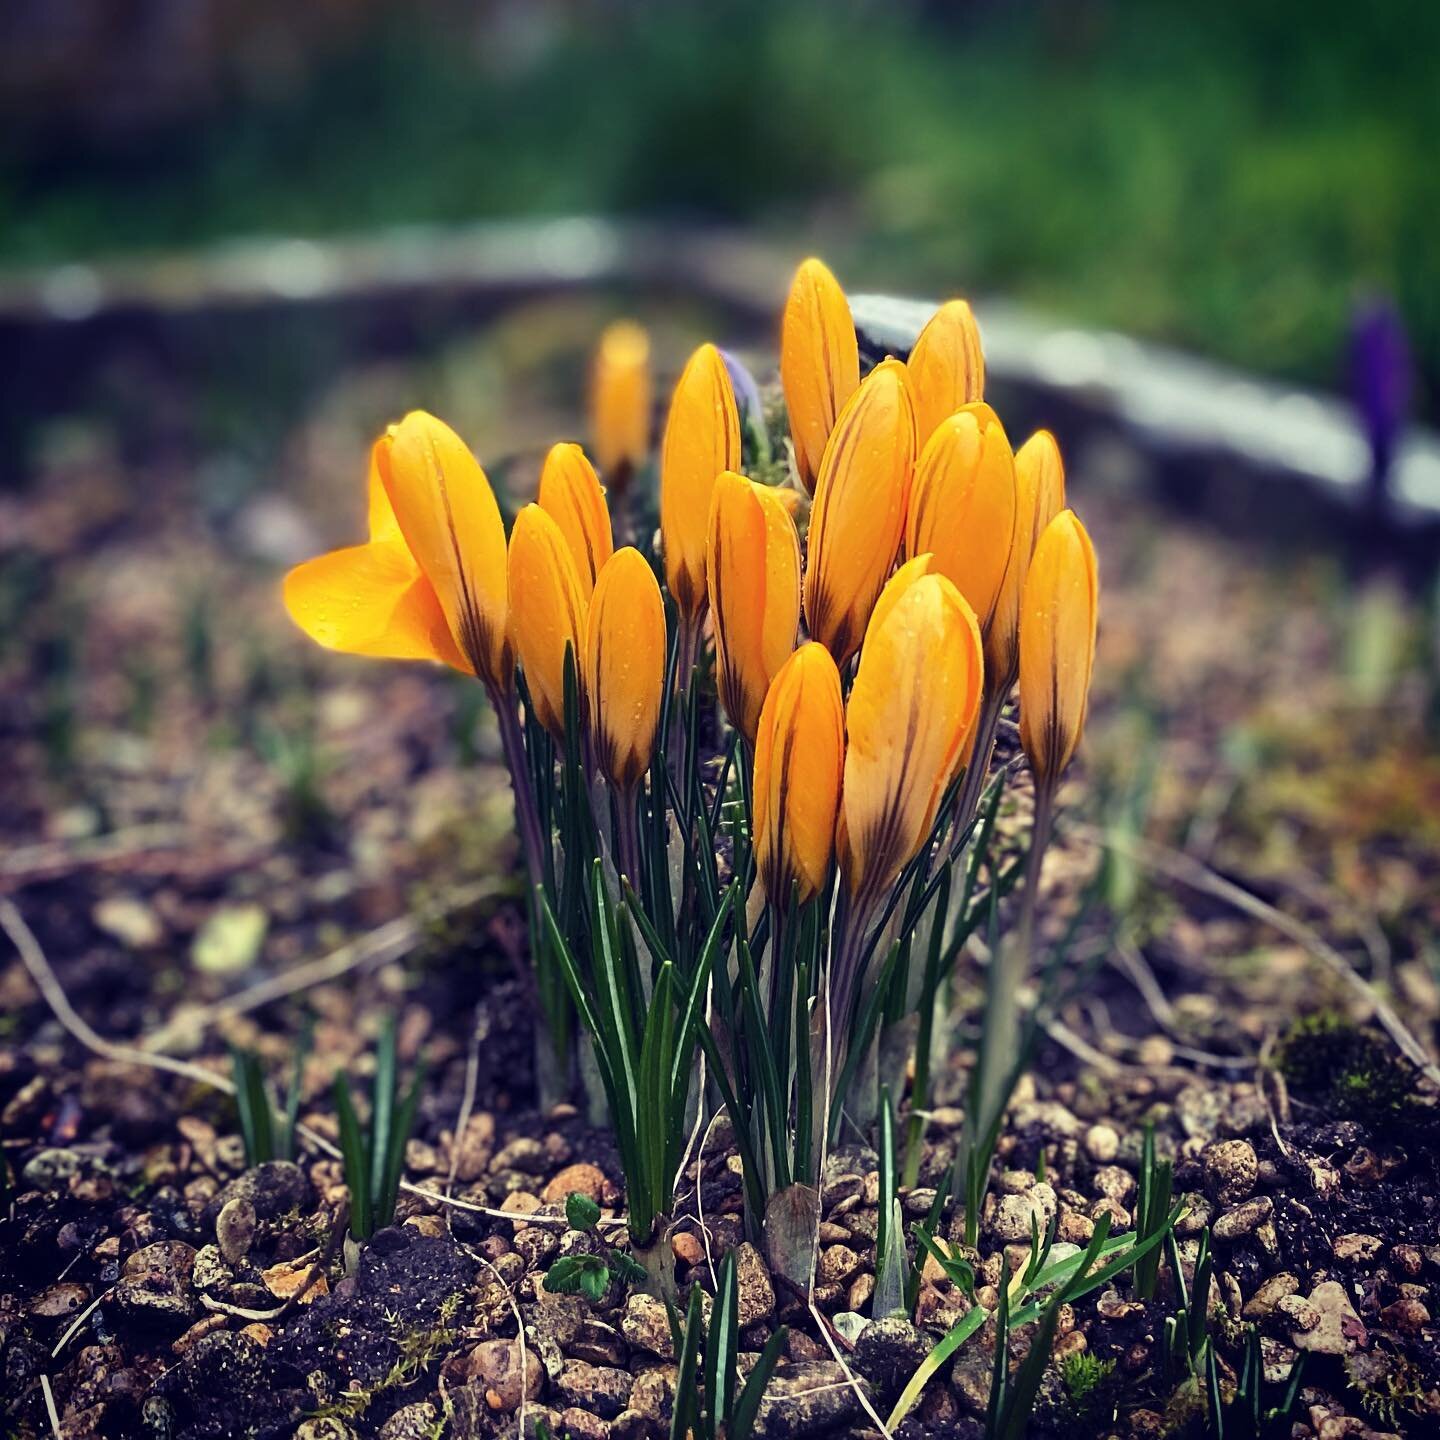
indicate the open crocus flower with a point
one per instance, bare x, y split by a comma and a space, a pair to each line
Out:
799, 762
962, 506
620, 401
624, 666
1057, 646
753, 569
571, 494
859, 512
947, 367
819, 363
373, 599
1039, 498
911, 710
702, 440
548, 612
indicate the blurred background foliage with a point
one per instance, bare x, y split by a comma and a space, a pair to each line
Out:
1232, 177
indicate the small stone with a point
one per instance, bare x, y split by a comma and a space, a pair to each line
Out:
1231, 1169
230, 940
836, 1265
1111, 1307
1277, 1359
1407, 1259
130, 921
814, 1398
1119, 1215
687, 1248
210, 1273
1406, 1315
1242, 1219
833, 1234
1073, 1228
520, 1202
525, 1154
1117, 1183
154, 1283
507, 1371
235, 1229
1356, 1248
1196, 1215
411, 1422
599, 1389
50, 1169
1017, 1217
1102, 1144
272, 1189
580, 1424
654, 1393
646, 1325
754, 1288
291, 1278
58, 1301
861, 1292
1338, 1330
586, 1180
1049, 1117
1301, 1314
887, 1353
1265, 1299
536, 1244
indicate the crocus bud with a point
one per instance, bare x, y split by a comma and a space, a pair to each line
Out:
1039, 498
625, 666
447, 513
911, 710
962, 506
947, 368
702, 439
547, 612
372, 599
819, 363
570, 493
753, 567
1058, 612
620, 400
858, 516
799, 758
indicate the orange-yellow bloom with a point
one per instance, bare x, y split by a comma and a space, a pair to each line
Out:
702, 439
859, 512
1040, 497
547, 612
911, 709
571, 494
962, 506
799, 760
620, 400
447, 513
753, 567
1058, 613
372, 599
819, 363
625, 666
947, 368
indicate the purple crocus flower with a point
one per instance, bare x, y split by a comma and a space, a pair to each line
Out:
1380, 378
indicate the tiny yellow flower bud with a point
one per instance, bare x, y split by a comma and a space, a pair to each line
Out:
753, 568
858, 517
911, 709
962, 506
819, 363
571, 494
447, 513
799, 759
547, 612
947, 368
620, 400
1058, 612
702, 439
625, 666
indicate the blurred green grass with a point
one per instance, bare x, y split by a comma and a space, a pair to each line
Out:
1228, 178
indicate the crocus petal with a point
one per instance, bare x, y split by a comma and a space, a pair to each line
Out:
447, 513
947, 367
1039, 498
571, 494
1058, 614
702, 439
962, 506
911, 707
625, 666
620, 399
547, 612
858, 516
799, 761
753, 570
819, 363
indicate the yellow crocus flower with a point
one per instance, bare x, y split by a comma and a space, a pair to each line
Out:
799, 762
858, 517
947, 367
753, 570
702, 440
819, 363
620, 400
1058, 612
625, 666
571, 494
548, 612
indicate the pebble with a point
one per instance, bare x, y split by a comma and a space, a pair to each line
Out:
598, 1389
1102, 1144
582, 1179
1115, 1182
155, 1283
1301, 1314
837, 1264
687, 1248
1338, 1329
1119, 1215
1408, 1315
814, 1398
58, 1301
497, 1365
1356, 1248
646, 1325
1270, 1293
1242, 1219
525, 1154
654, 1393
861, 1292
235, 1229
1016, 1217
755, 1292
1231, 1169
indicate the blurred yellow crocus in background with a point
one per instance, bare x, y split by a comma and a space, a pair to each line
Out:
624, 666
571, 494
947, 367
753, 571
819, 363
1058, 612
799, 763
702, 440
548, 612
620, 397
858, 517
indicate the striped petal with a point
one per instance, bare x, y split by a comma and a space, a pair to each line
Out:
819, 363
571, 494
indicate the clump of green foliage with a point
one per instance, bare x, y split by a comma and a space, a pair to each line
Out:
1351, 1071
264, 1140
1085, 1375
590, 1274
